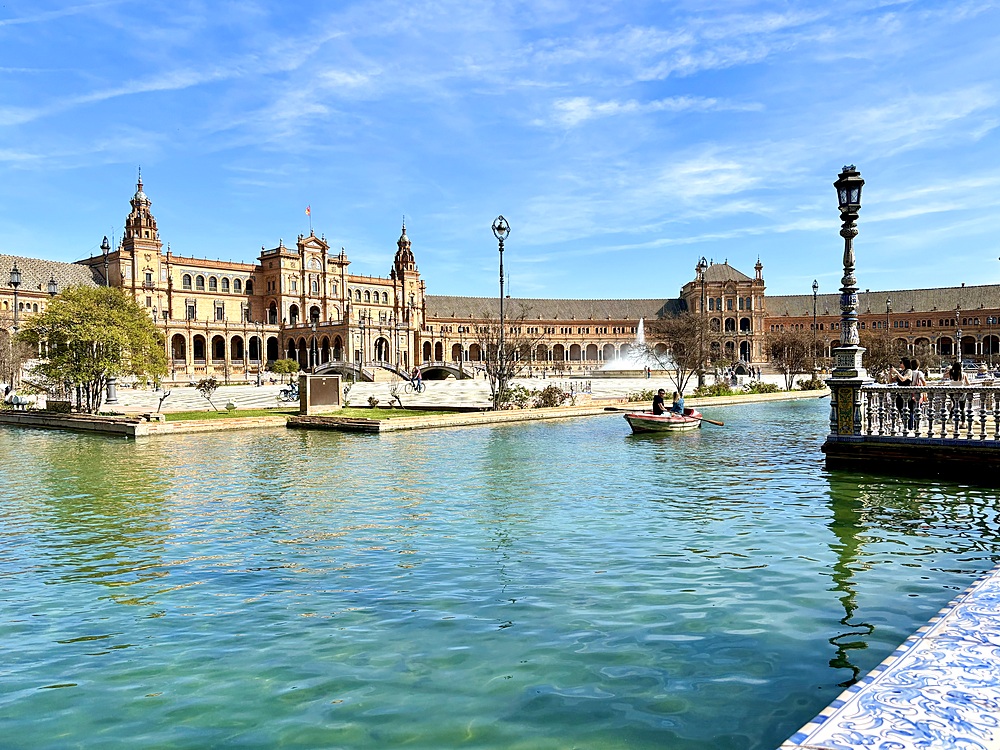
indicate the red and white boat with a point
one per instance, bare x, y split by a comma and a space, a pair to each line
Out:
691, 419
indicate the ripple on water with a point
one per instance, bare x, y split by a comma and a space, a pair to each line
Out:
534, 586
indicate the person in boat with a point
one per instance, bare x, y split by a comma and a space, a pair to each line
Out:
677, 405
658, 401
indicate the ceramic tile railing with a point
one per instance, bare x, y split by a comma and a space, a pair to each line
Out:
936, 411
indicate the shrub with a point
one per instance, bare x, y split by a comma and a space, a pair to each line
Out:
764, 388
717, 389
372, 401
551, 395
646, 395
813, 384
518, 397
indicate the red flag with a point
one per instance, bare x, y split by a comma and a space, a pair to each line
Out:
309, 211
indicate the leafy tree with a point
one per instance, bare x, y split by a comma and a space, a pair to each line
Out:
790, 353
284, 367
92, 334
206, 387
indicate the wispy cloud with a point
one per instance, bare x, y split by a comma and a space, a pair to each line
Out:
573, 111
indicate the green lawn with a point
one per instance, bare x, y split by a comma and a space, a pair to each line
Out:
183, 416
351, 412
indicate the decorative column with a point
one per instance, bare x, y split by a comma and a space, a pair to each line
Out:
848, 375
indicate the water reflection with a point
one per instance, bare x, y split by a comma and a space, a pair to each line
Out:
926, 525
847, 526
540, 585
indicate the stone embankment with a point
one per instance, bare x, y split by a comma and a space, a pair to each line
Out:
153, 425
594, 408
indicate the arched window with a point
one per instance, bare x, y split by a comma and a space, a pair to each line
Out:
213, 284
357, 295
237, 286
711, 304
333, 288
314, 285
249, 286
385, 298
368, 296
199, 283
225, 285
186, 281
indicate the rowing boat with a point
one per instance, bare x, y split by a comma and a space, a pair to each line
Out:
668, 422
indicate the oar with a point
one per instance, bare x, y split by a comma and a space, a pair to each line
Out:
706, 419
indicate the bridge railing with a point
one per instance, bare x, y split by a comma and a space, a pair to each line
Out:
934, 411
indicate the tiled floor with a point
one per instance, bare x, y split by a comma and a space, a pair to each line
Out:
940, 690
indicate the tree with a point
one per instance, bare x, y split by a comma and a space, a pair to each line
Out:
206, 387
284, 367
90, 334
14, 354
504, 363
882, 351
790, 353
688, 342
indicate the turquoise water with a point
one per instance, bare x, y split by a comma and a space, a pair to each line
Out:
549, 585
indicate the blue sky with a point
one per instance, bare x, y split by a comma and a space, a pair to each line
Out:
621, 140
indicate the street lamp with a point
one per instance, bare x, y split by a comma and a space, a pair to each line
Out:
15, 281
53, 286
313, 349
815, 292
888, 309
700, 269
958, 333
105, 249
501, 230
849, 353
259, 327
989, 343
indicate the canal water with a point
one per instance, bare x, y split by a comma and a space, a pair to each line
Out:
545, 585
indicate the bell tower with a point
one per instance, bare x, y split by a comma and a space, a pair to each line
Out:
138, 264
140, 226
404, 260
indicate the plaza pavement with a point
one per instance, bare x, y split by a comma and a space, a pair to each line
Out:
451, 393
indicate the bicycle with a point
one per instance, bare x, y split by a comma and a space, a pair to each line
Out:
288, 394
414, 387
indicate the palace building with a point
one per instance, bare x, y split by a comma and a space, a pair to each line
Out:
229, 320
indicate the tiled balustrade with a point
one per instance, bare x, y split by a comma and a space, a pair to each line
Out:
936, 411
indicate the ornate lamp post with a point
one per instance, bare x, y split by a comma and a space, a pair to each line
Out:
700, 269
105, 249
815, 289
53, 286
501, 230
15, 282
259, 327
888, 309
989, 343
958, 333
313, 349
848, 374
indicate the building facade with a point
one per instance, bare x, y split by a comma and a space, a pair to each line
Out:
229, 320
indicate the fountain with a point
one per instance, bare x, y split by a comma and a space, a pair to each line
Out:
636, 359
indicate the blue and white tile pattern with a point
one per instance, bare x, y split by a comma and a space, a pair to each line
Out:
940, 690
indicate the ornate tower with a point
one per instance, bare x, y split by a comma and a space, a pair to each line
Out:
138, 264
